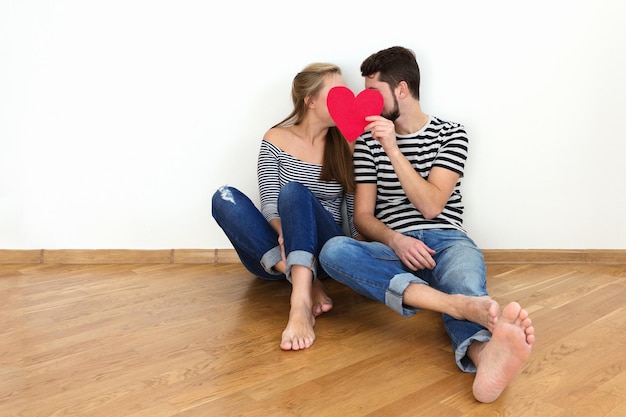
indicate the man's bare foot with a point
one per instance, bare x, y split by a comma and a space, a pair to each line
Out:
499, 360
321, 302
480, 310
299, 332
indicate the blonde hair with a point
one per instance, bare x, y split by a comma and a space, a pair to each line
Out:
337, 163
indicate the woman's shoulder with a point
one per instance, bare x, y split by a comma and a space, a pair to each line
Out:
271, 143
278, 136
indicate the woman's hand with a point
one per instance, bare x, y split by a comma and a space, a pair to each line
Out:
281, 243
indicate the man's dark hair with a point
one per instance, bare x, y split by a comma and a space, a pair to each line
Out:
394, 64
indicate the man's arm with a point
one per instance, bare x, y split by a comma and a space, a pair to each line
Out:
428, 196
412, 252
365, 221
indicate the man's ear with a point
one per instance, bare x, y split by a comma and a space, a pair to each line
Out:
403, 89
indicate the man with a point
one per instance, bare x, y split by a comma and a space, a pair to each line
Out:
408, 168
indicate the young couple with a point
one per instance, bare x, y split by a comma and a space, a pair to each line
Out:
401, 183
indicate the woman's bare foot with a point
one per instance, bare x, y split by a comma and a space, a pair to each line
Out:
499, 360
480, 310
299, 332
321, 302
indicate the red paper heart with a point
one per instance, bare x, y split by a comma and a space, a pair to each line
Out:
349, 112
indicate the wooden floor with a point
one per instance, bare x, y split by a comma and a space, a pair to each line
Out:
202, 340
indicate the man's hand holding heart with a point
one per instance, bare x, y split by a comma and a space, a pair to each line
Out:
350, 112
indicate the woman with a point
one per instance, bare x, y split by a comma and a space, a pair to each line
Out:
305, 172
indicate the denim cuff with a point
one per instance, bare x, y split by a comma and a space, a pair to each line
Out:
270, 259
462, 360
300, 257
393, 295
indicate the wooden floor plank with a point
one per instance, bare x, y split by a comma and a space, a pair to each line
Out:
194, 339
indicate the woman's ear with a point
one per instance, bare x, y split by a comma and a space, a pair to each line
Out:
309, 102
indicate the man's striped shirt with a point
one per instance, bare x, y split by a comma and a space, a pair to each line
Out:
438, 144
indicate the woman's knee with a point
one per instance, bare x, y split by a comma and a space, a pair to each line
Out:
292, 195
224, 198
292, 189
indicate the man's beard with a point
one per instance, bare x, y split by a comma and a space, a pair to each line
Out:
393, 114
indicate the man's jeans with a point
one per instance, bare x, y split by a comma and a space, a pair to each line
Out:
375, 271
306, 226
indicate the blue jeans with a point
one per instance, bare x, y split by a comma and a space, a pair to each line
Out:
375, 271
306, 226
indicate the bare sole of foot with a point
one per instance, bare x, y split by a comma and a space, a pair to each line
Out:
299, 332
500, 359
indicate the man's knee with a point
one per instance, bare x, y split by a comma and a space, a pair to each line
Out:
335, 249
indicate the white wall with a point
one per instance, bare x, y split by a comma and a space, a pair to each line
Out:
118, 119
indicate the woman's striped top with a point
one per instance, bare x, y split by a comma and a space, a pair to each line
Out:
276, 168
438, 144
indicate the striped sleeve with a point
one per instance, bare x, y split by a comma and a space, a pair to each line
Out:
453, 150
349, 197
364, 164
268, 168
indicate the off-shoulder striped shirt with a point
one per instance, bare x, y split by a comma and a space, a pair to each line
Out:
276, 168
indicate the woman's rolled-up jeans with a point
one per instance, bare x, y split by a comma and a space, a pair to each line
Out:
306, 226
